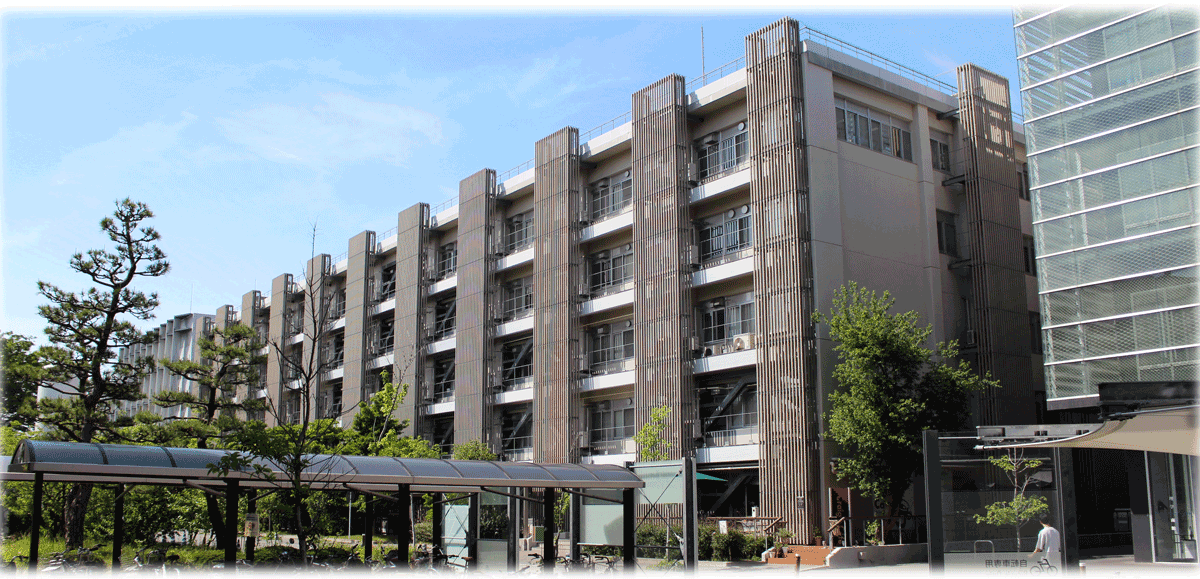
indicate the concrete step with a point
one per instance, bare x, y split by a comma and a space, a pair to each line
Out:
805, 554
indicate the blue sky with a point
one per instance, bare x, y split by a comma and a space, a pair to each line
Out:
241, 130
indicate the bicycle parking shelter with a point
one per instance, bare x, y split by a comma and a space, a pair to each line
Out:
395, 480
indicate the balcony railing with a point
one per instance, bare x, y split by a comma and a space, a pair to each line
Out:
444, 205
520, 454
729, 156
611, 446
732, 437
717, 74
611, 360
723, 257
514, 384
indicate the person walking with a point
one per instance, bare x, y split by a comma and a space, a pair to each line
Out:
1049, 539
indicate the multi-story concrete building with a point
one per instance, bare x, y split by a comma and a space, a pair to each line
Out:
1110, 97
674, 257
177, 339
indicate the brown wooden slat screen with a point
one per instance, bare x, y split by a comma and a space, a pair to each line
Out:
476, 266
558, 186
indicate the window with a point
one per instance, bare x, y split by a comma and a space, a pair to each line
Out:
518, 297
443, 380
611, 347
444, 318
611, 267
610, 195
723, 151
1035, 332
726, 234
724, 318
383, 341
1023, 182
864, 127
947, 233
939, 148
329, 403
519, 232
387, 282
335, 351
447, 261
516, 429
611, 420
517, 364
371, 386
337, 304
1029, 256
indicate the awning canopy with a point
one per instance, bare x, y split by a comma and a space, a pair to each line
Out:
1170, 429
114, 463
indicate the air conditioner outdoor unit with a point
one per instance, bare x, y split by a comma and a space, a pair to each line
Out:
739, 344
693, 256
710, 140
693, 174
602, 330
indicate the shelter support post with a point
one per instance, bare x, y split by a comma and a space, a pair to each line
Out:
231, 524
118, 540
473, 530
690, 545
933, 503
251, 507
402, 521
576, 528
368, 526
550, 545
436, 521
1064, 481
628, 537
514, 529
36, 523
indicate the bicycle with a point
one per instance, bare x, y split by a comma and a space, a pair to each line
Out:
1043, 566
610, 564
12, 563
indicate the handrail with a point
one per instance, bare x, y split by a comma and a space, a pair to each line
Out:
719, 73
807, 33
514, 171
443, 206
606, 126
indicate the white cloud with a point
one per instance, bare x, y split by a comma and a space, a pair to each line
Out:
141, 148
345, 129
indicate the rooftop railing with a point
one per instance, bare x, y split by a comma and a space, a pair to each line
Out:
868, 56
505, 176
720, 72
388, 233
605, 127
444, 205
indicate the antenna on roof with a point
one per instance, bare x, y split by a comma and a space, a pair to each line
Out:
703, 71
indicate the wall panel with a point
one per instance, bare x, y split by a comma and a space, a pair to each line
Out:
993, 226
558, 190
476, 265
412, 236
789, 451
662, 240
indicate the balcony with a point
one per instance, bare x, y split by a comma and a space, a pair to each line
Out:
726, 267
734, 437
604, 442
522, 454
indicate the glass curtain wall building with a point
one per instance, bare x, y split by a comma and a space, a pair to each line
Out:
1110, 105
1111, 121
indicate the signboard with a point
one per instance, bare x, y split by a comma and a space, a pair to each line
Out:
1023, 564
251, 525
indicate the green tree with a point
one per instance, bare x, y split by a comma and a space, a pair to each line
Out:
87, 329
376, 432
1022, 508
891, 388
22, 371
472, 450
651, 439
229, 363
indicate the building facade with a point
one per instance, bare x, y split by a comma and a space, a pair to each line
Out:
674, 257
1111, 107
177, 339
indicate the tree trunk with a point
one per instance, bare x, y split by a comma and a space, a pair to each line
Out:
75, 513
215, 518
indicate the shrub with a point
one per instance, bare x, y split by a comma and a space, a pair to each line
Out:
423, 532
729, 547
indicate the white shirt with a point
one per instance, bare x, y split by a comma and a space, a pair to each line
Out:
1049, 540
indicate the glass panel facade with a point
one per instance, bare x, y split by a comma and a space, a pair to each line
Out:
1112, 104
